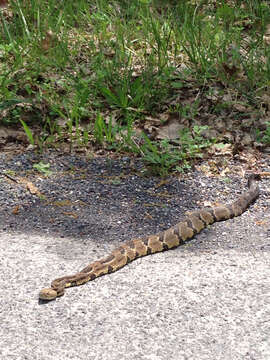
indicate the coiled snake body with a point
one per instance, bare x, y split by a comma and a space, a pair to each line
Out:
168, 239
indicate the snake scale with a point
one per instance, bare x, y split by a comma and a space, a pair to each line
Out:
191, 225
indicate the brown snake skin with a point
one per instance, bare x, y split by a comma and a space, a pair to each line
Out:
168, 239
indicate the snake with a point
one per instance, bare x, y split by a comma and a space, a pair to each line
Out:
171, 238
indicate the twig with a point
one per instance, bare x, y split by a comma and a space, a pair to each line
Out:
9, 176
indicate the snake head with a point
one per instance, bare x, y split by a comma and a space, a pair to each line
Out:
48, 294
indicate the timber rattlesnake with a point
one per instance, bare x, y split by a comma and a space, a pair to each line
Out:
171, 238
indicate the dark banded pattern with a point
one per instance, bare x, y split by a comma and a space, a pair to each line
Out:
185, 230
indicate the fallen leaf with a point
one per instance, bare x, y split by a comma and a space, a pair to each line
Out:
162, 182
62, 203
241, 108
266, 37
75, 216
48, 40
32, 188
3, 4
262, 222
15, 211
148, 216
170, 131
265, 174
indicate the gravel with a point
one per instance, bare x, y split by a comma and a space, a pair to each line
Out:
208, 299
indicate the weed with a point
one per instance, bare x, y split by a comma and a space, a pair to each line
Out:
104, 133
28, 132
163, 157
80, 60
264, 136
192, 142
43, 168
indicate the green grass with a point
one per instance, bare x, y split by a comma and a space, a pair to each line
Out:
101, 67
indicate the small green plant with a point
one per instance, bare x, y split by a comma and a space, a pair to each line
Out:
161, 157
164, 157
117, 98
127, 93
192, 142
43, 168
266, 135
10, 172
104, 133
28, 132
186, 111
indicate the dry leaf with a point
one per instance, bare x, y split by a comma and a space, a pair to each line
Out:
265, 174
265, 98
266, 37
29, 186
221, 149
207, 204
75, 216
162, 182
225, 171
148, 216
262, 222
10, 135
32, 188
171, 131
47, 42
3, 4
15, 211
246, 140
230, 70
241, 108
62, 203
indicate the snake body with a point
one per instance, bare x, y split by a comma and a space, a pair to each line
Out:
191, 225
